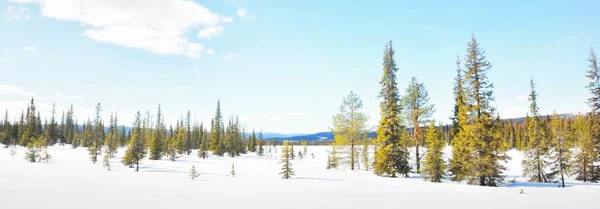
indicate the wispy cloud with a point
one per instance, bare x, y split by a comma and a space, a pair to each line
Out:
15, 90
229, 56
210, 52
243, 14
158, 26
7, 59
63, 96
30, 49
16, 13
211, 31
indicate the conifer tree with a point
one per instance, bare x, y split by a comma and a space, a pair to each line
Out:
392, 156
350, 127
217, 133
365, 155
484, 148
202, 150
434, 169
560, 149
535, 163
232, 172
417, 112
261, 150
583, 164
136, 150
111, 142
156, 142
6, 131
286, 170
97, 132
593, 75
252, 142
333, 160
194, 173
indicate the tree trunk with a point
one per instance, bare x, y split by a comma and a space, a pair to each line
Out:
137, 166
418, 159
352, 156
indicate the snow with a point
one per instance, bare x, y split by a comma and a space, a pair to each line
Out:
71, 181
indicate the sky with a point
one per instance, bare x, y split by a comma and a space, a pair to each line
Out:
284, 66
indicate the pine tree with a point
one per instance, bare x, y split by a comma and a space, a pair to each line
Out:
232, 172
194, 173
417, 111
434, 169
333, 160
485, 147
156, 142
188, 133
461, 138
6, 131
252, 142
560, 149
202, 150
286, 170
261, 150
392, 156
111, 142
350, 127
535, 163
365, 155
583, 164
593, 153
97, 132
217, 133
136, 150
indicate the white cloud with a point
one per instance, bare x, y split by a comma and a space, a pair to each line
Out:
210, 52
159, 26
211, 31
7, 59
30, 48
63, 96
229, 56
242, 12
16, 13
15, 90
227, 19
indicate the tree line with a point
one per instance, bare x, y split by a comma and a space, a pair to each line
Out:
149, 136
554, 146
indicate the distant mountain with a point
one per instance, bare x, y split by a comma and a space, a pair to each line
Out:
328, 136
269, 135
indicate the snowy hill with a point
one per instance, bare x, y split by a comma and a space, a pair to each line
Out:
71, 181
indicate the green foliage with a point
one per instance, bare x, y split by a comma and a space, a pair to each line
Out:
391, 158
583, 164
217, 133
136, 150
158, 137
417, 112
286, 170
350, 127
435, 167
365, 155
560, 149
535, 163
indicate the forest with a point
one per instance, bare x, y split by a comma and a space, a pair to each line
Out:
407, 141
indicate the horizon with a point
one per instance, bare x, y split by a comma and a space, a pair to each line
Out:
284, 70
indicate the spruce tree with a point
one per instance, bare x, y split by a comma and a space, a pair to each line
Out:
593, 75
217, 133
136, 150
560, 149
583, 163
96, 137
392, 156
260, 144
434, 169
286, 170
535, 163
156, 142
252, 142
480, 133
417, 112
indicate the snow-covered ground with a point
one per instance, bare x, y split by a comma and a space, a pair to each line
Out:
70, 180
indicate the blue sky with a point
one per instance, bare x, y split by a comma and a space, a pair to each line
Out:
284, 66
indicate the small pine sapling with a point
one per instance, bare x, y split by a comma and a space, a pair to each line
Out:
232, 173
194, 173
300, 155
106, 161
